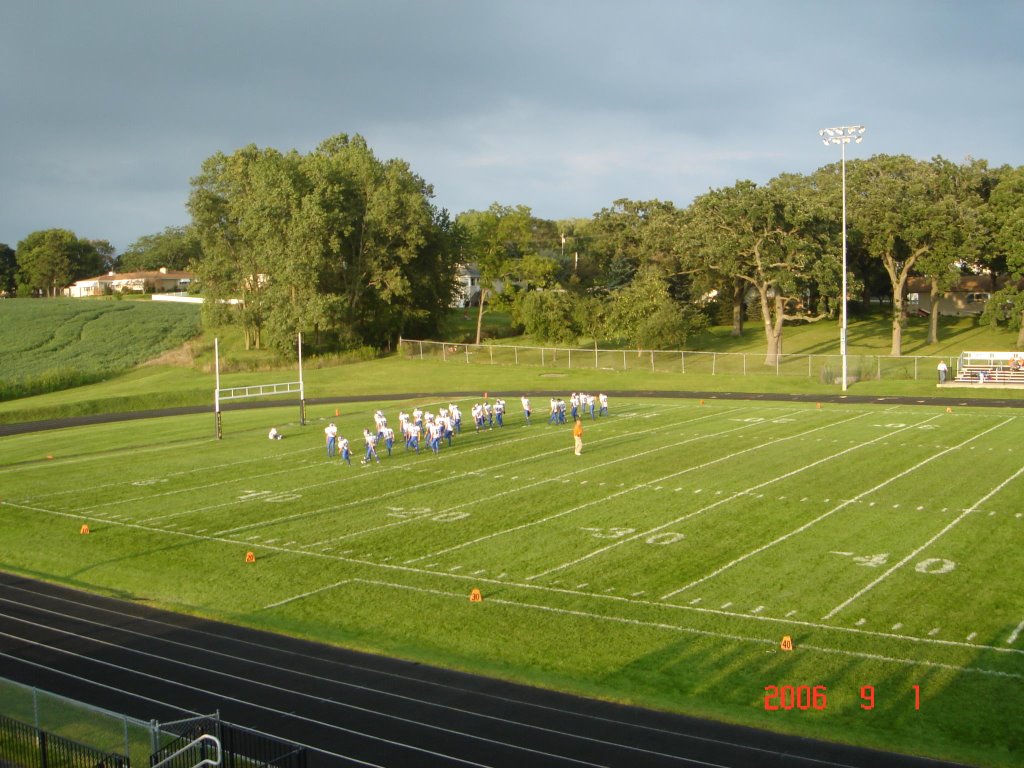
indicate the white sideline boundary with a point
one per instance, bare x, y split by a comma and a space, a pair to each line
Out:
956, 521
830, 512
693, 631
310, 593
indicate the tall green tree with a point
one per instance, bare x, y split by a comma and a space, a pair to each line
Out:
498, 239
767, 238
958, 198
896, 205
375, 222
47, 260
241, 207
631, 233
550, 317
334, 241
1006, 215
175, 248
8, 269
644, 314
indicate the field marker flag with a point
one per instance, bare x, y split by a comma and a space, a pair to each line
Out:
787, 643
84, 530
475, 596
250, 557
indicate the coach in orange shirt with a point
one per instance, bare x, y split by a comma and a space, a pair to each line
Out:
577, 436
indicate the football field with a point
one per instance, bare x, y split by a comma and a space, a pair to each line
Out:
664, 567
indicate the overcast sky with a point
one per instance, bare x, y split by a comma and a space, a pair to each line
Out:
110, 106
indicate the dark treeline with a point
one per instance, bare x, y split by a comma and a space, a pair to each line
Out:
351, 250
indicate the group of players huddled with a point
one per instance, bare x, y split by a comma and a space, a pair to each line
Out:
447, 423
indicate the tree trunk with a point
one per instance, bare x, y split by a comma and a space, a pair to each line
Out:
898, 280
897, 326
480, 314
739, 288
933, 315
772, 318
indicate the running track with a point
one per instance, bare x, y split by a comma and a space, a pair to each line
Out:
351, 708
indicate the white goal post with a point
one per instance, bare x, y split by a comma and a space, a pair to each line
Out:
220, 394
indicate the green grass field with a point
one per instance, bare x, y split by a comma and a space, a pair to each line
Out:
663, 567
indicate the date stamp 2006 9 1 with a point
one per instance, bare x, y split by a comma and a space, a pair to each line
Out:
807, 697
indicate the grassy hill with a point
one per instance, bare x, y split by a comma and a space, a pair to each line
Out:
60, 343
180, 374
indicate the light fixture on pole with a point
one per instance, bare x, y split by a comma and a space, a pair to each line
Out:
842, 136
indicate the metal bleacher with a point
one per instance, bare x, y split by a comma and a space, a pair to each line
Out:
1002, 369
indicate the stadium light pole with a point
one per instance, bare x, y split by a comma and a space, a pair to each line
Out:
843, 135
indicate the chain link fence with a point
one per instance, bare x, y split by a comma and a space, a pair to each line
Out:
826, 369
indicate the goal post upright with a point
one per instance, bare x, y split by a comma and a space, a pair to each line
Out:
302, 390
221, 394
216, 392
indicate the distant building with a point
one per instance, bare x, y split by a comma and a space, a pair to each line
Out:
155, 281
967, 297
467, 291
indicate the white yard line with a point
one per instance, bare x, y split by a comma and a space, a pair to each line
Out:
691, 631
831, 512
105, 456
1015, 634
305, 594
424, 484
556, 479
956, 521
724, 500
78, 491
304, 488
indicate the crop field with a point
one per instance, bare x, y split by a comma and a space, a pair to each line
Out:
663, 567
58, 343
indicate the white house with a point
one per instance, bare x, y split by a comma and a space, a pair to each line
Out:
154, 281
467, 292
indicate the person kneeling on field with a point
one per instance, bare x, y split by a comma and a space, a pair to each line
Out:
274, 434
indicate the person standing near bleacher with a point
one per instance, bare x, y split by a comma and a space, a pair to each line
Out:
943, 369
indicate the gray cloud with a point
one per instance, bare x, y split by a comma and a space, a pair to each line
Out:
110, 107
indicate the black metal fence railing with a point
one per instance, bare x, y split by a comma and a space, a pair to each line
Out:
241, 747
25, 745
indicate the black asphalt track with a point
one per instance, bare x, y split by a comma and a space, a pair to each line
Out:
352, 708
